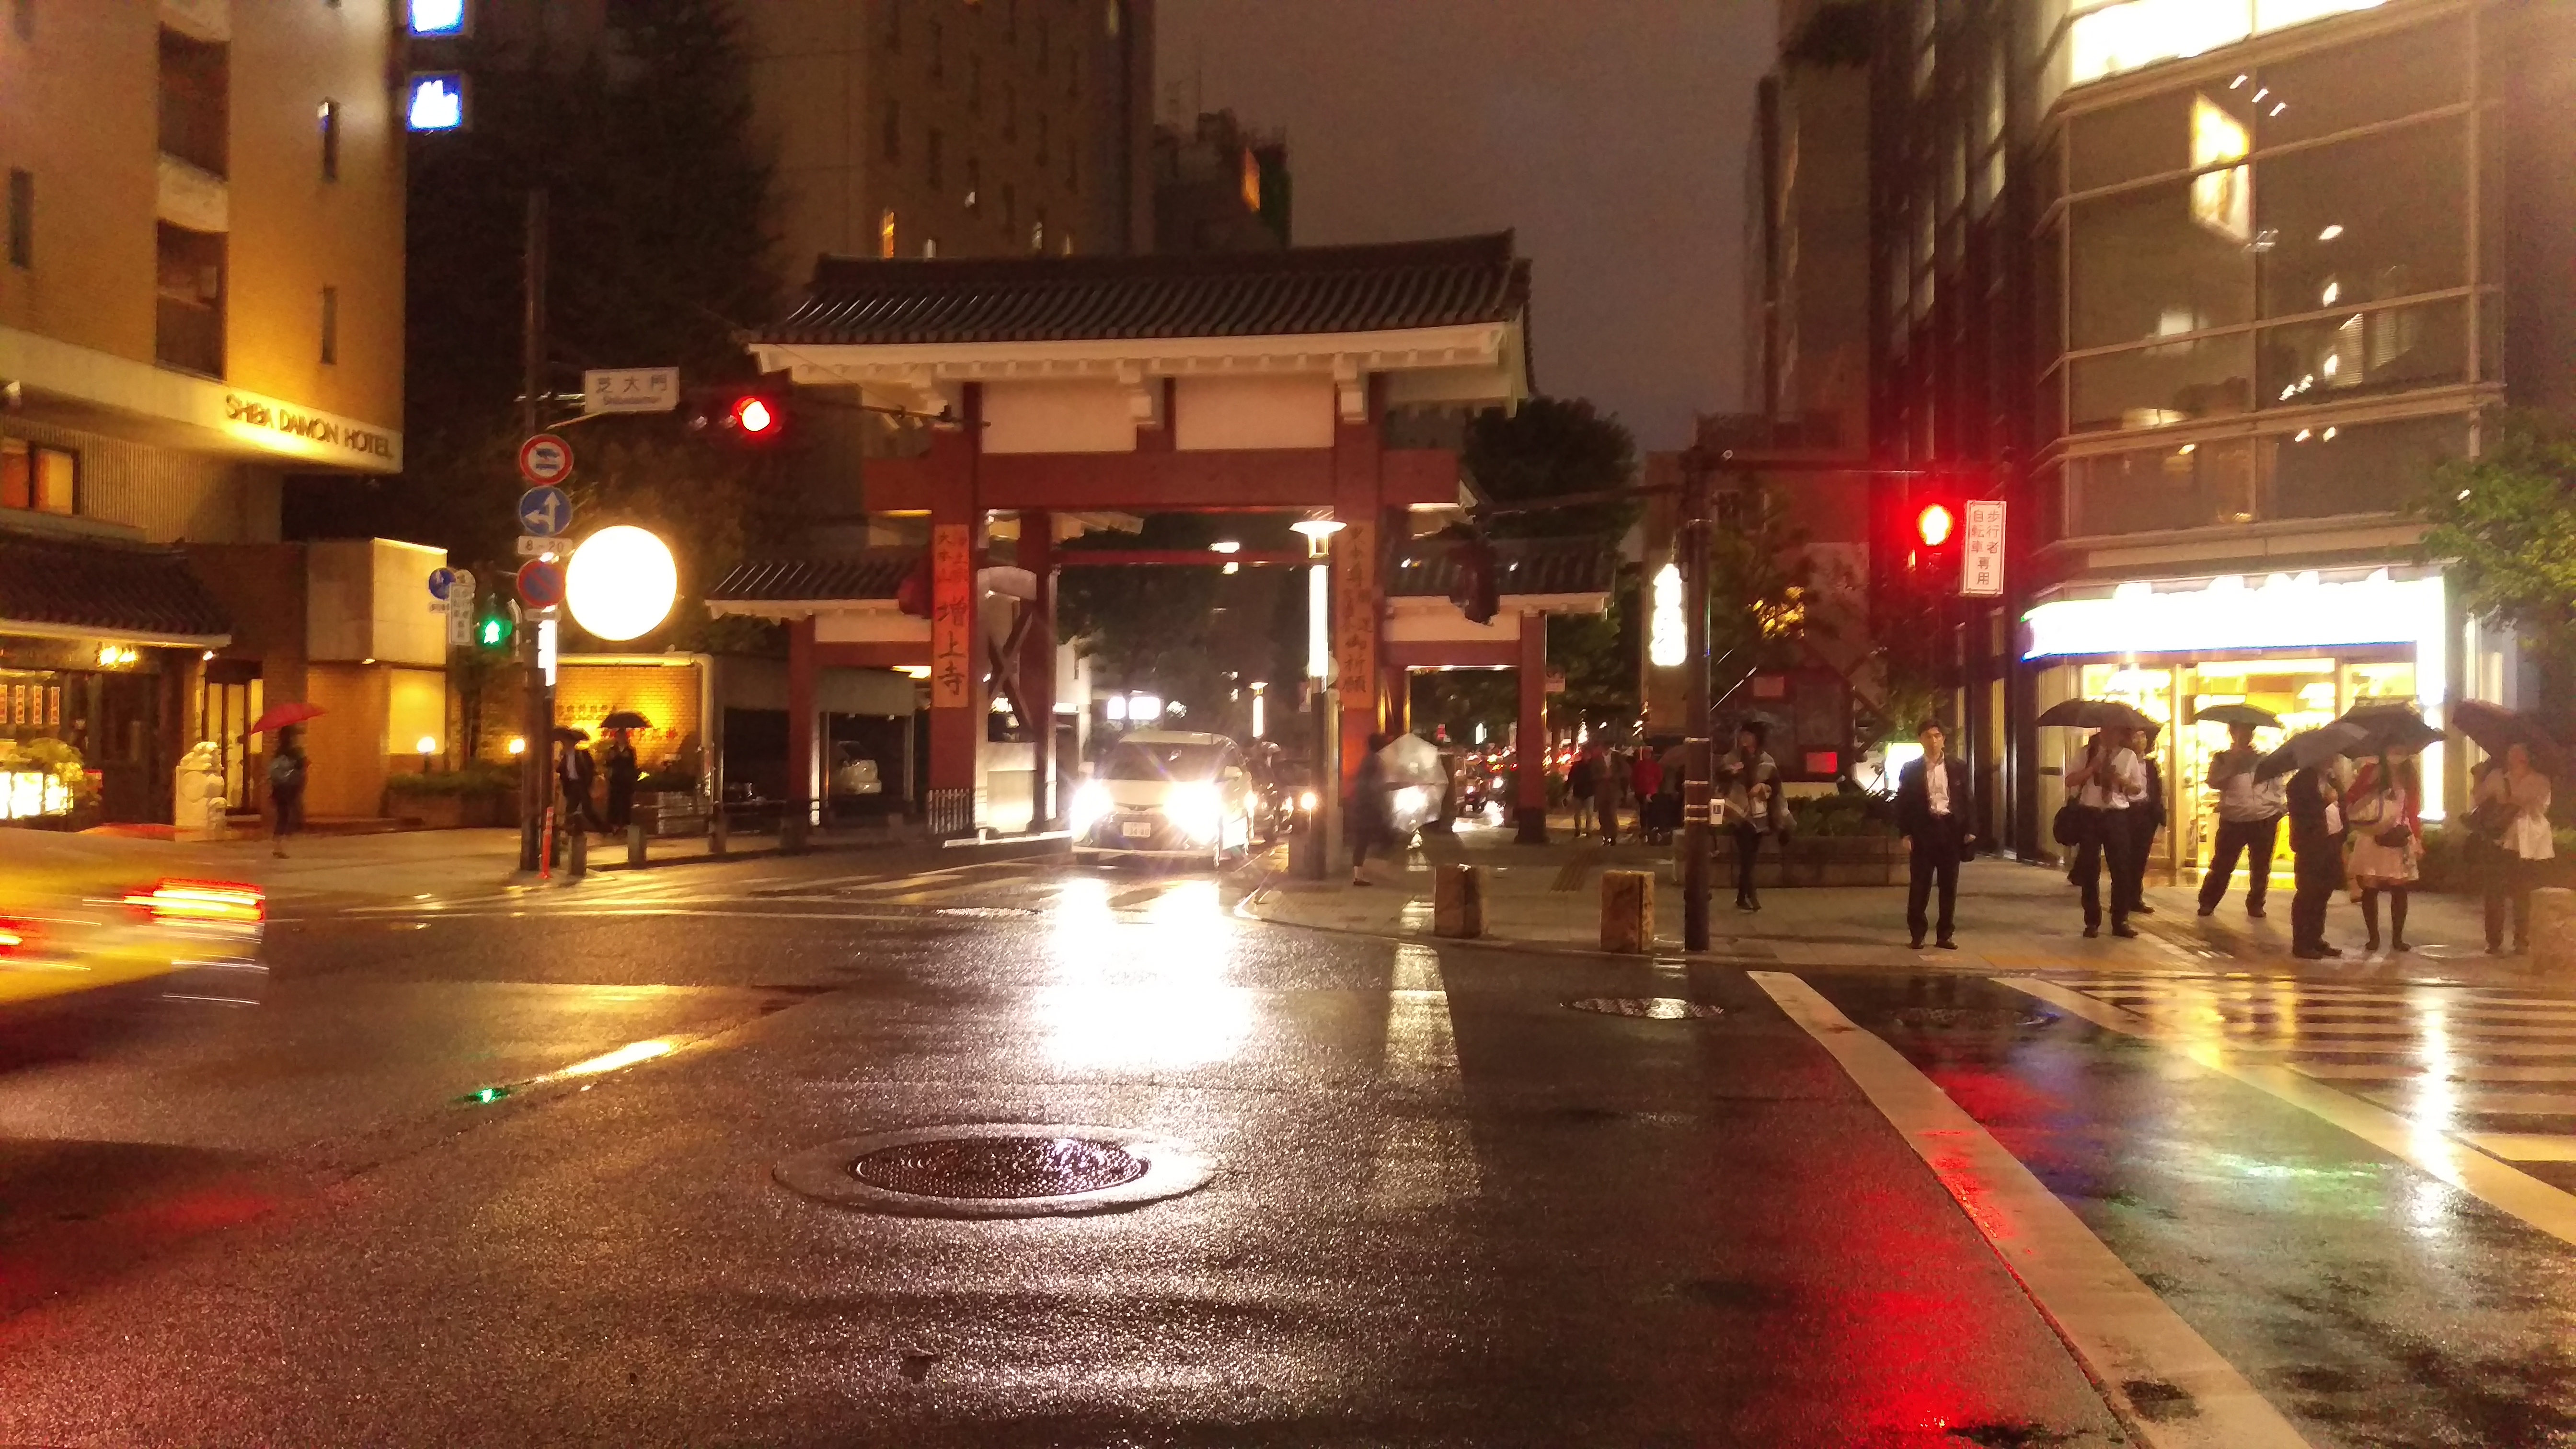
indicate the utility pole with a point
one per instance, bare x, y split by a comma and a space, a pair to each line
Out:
536, 763
1697, 830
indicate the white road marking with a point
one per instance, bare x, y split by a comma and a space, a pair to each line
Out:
2120, 1329
2524, 1146
2419, 1071
2426, 1148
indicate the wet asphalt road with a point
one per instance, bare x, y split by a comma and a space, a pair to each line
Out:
377, 1210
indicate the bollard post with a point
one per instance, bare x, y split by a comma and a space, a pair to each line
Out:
793, 825
2553, 931
577, 849
1458, 901
1628, 912
635, 845
716, 829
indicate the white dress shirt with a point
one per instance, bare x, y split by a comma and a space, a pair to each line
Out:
1936, 785
2124, 767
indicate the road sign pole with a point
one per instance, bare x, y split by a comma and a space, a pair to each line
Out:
536, 764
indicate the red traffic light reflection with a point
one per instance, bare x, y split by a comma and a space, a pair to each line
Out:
1934, 525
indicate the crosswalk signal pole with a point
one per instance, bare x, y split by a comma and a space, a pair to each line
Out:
536, 762
1697, 830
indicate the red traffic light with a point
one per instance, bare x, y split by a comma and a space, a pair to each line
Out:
753, 416
1935, 524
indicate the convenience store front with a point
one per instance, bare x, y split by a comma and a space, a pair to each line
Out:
2305, 646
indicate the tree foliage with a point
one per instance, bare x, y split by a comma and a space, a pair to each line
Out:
2504, 526
1548, 448
661, 245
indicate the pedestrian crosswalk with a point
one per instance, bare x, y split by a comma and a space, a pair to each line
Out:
2490, 1066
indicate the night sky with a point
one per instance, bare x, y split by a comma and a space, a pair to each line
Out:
1609, 133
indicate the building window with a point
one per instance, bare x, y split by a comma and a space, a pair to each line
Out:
933, 161
330, 326
1042, 138
1010, 208
1010, 113
1073, 172
974, 186
936, 42
974, 85
885, 232
22, 218
196, 87
892, 141
329, 120
1046, 44
1037, 232
188, 329
894, 27
1065, 243
35, 478
929, 247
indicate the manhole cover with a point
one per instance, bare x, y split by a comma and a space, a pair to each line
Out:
999, 1167
1651, 1008
1975, 1018
997, 1170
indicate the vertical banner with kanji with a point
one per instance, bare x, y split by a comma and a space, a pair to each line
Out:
1355, 614
952, 617
1981, 552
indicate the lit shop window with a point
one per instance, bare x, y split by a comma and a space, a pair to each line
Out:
2112, 39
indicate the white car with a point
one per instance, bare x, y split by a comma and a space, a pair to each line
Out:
1171, 793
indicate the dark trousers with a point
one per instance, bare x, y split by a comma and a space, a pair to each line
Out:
2508, 893
1748, 848
1606, 805
2141, 825
1933, 862
2319, 872
2253, 839
2107, 846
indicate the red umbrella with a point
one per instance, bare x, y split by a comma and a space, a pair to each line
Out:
279, 716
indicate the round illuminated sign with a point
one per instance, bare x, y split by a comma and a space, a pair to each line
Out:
621, 583
1934, 525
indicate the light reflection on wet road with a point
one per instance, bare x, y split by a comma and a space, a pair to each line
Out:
1447, 1210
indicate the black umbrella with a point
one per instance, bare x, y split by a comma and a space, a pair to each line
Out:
570, 735
2390, 728
625, 719
2310, 748
2236, 714
2094, 714
2496, 729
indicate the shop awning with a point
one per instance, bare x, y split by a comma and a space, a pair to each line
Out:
97, 589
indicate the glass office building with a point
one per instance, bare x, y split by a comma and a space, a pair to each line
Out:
2216, 285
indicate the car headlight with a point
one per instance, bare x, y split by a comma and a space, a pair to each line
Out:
1089, 804
1195, 811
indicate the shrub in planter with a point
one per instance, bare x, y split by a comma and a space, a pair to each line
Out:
478, 794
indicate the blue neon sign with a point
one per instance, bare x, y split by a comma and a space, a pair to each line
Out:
435, 101
436, 17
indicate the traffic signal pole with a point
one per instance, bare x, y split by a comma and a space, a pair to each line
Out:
536, 763
1698, 831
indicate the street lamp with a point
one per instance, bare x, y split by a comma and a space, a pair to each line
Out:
621, 582
1310, 849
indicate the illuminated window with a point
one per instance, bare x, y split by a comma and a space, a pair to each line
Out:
327, 118
2221, 200
885, 232
22, 218
38, 478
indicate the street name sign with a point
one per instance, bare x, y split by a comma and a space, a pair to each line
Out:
630, 390
545, 459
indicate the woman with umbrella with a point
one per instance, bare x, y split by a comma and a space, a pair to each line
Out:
2382, 854
287, 769
2509, 815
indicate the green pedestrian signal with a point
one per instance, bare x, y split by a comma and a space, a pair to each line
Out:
493, 631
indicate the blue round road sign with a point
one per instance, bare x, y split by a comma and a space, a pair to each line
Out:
541, 584
544, 512
440, 581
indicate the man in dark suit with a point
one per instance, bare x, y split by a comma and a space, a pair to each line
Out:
2316, 834
1932, 815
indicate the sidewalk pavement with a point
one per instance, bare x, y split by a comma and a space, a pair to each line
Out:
2012, 917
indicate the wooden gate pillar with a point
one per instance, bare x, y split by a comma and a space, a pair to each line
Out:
1529, 758
957, 654
1037, 668
1359, 590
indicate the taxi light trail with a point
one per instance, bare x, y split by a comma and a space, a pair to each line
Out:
189, 900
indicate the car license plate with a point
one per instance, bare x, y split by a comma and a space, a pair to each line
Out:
1136, 829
